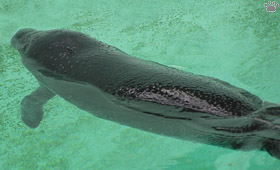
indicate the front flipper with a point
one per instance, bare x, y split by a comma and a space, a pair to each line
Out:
32, 106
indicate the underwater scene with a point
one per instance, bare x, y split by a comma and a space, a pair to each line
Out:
233, 45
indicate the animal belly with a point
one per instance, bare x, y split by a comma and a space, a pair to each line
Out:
103, 105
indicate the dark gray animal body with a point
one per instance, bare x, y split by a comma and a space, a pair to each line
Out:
112, 85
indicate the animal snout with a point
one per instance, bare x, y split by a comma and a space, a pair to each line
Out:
20, 37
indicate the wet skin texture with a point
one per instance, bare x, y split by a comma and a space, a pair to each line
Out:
112, 85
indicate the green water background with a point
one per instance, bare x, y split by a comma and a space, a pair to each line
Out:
236, 41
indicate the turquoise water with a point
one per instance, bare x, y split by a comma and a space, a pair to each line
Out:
236, 41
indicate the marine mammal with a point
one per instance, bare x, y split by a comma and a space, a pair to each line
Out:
115, 86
